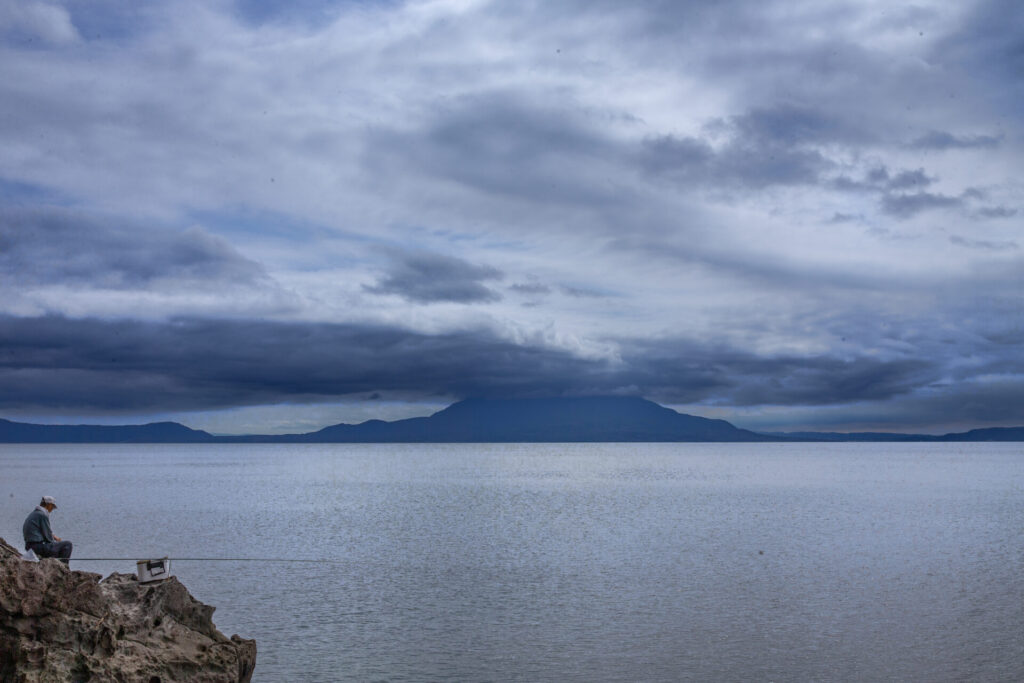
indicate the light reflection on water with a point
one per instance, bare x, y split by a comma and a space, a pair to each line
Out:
579, 562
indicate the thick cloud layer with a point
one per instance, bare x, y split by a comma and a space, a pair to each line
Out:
203, 363
107, 366
811, 210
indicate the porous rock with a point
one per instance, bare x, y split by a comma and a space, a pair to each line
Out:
63, 625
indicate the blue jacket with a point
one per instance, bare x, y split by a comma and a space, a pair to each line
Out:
37, 528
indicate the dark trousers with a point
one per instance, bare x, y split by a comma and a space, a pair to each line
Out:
59, 549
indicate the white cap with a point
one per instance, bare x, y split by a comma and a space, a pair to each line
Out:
48, 500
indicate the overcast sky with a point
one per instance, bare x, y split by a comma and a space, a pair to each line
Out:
267, 217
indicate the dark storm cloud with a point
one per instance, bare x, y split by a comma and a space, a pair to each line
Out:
429, 278
684, 372
93, 365
62, 247
98, 365
941, 140
969, 405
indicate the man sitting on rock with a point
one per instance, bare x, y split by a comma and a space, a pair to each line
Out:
38, 537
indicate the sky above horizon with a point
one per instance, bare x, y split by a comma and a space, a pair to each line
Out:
263, 217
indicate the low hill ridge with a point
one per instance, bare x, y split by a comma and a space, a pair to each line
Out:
154, 432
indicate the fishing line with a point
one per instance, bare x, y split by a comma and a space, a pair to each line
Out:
206, 559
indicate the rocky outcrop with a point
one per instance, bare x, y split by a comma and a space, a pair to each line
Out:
62, 625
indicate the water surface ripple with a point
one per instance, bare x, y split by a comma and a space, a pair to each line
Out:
570, 562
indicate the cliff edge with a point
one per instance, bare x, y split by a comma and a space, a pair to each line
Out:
63, 625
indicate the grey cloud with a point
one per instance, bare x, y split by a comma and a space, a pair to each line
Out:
31, 20
996, 212
844, 183
757, 167
788, 124
762, 150
780, 145
880, 179
305, 12
113, 20
685, 156
942, 140
983, 244
903, 194
908, 205
877, 176
583, 292
504, 146
987, 42
788, 275
530, 289
429, 278
1008, 337
905, 180
55, 246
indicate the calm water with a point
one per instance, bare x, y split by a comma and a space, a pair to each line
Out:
618, 562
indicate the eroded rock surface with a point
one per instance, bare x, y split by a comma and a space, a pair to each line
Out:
62, 625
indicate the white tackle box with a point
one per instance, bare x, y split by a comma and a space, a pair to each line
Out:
154, 570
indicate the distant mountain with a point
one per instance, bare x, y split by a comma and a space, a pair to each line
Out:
156, 432
587, 419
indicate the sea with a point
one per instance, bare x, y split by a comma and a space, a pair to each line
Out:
567, 562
